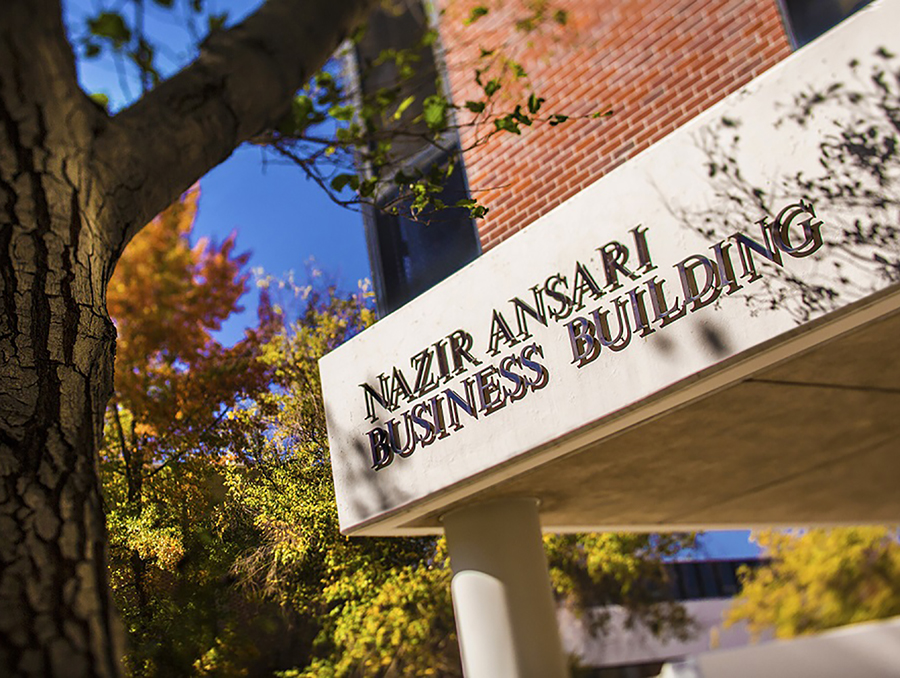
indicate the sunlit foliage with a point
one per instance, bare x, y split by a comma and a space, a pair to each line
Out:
226, 554
819, 579
167, 437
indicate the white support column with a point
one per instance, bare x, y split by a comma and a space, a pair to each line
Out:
505, 613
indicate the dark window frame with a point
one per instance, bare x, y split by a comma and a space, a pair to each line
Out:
391, 293
797, 23
375, 218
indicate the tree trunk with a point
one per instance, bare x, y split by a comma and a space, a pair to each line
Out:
57, 345
56, 364
75, 186
56, 361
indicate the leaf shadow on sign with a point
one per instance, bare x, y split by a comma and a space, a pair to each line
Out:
855, 188
370, 492
715, 339
712, 335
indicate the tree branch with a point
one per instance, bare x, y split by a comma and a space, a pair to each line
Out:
37, 74
240, 85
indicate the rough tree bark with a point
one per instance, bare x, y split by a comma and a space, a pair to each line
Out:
75, 186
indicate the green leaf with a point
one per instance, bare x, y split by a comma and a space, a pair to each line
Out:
302, 115
519, 116
534, 103
367, 187
100, 98
557, 119
217, 21
491, 88
406, 103
434, 112
324, 79
465, 202
91, 49
302, 107
561, 17
419, 204
476, 14
429, 38
507, 124
401, 178
342, 113
110, 25
341, 181
526, 25
602, 114
475, 106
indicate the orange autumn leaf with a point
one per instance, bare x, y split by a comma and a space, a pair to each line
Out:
167, 299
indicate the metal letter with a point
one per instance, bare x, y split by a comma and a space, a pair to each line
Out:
692, 293
585, 347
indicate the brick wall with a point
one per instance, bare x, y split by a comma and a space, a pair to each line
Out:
655, 63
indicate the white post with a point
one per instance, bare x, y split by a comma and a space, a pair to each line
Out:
502, 598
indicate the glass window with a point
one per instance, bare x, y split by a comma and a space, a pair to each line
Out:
708, 580
410, 255
690, 586
727, 576
808, 19
399, 26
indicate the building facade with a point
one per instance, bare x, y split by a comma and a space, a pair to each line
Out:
652, 65
706, 588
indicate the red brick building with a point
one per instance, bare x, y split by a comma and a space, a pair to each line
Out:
655, 64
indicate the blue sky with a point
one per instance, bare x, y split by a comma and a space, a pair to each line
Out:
283, 219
